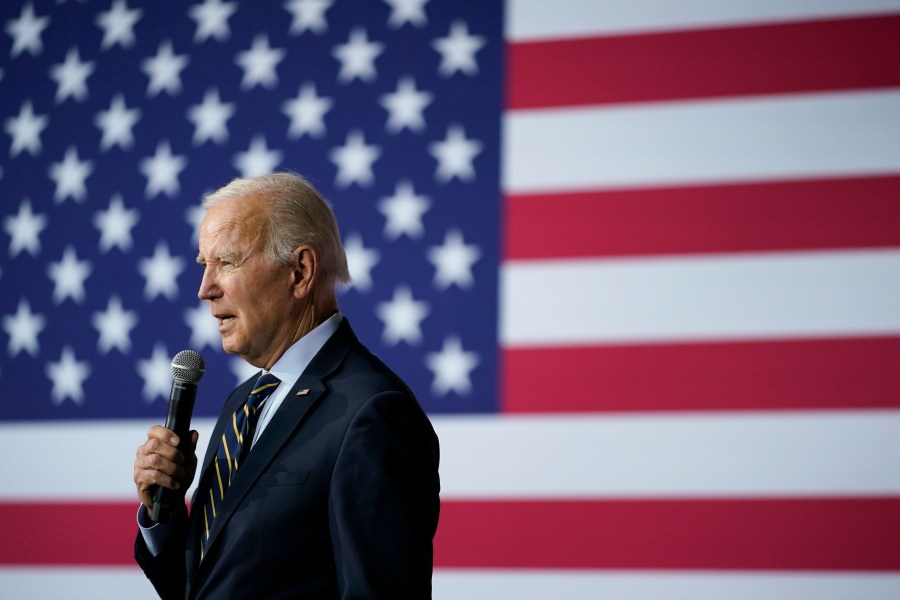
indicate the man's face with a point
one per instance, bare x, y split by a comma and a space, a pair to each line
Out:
251, 298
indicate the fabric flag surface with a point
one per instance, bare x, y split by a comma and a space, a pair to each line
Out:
639, 261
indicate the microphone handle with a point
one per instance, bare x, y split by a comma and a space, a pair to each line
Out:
181, 407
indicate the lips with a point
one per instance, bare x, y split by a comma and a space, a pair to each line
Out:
224, 319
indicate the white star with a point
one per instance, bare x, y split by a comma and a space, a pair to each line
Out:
164, 70
156, 372
308, 14
68, 276
194, 216
118, 25
71, 77
212, 19
458, 50
402, 317
451, 367
360, 261
407, 11
453, 261
162, 170
23, 329
455, 155
69, 176
259, 63
307, 112
403, 212
357, 57
405, 106
204, 327
258, 159
354, 160
24, 230
25, 130
209, 118
117, 123
114, 325
161, 272
115, 225
26, 31
68, 377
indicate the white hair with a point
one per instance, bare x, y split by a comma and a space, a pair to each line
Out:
298, 215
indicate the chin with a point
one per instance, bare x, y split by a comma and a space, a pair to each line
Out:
229, 348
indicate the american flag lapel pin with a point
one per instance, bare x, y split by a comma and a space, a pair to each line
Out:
303, 392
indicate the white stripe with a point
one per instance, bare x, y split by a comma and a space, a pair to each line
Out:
490, 584
537, 19
727, 454
76, 460
840, 453
662, 585
668, 143
736, 296
55, 583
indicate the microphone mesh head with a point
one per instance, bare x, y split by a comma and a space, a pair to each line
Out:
188, 366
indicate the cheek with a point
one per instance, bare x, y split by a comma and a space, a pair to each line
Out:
271, 311
261, 312
259, 301
241, 296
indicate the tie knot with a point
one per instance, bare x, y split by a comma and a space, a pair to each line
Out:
265, 385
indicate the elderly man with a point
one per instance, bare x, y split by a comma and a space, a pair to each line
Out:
321, 477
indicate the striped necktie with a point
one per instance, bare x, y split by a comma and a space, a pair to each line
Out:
233, 447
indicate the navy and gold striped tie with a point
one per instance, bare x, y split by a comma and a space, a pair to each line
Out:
232, 450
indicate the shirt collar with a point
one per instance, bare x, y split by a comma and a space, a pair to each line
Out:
290, 366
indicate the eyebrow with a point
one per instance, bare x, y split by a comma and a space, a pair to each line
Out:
222, 257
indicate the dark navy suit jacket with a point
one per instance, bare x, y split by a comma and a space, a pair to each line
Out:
337, 499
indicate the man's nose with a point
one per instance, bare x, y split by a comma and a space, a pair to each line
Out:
208, 287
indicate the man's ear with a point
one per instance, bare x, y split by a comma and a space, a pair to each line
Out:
305, 266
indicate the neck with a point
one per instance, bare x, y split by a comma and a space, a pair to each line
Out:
313, 317
314, 314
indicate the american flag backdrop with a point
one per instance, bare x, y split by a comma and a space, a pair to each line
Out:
639, 260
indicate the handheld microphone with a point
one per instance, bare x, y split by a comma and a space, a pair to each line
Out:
187, 370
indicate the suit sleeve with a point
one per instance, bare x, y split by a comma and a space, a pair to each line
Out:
384, 501
166, 571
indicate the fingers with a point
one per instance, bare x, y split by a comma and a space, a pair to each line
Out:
159, 462
163, 435
146, 481
161, 443
163, 461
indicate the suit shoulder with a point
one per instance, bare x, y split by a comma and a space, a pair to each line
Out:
370, 374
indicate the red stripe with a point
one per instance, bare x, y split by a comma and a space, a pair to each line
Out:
843, 534
835, 213
801, 534
765, 59
54, 533
795, 374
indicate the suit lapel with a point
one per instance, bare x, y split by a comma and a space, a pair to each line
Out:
304, 395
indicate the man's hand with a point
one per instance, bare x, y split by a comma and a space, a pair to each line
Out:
160, 462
